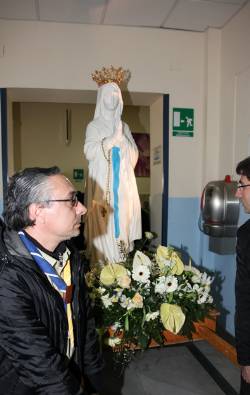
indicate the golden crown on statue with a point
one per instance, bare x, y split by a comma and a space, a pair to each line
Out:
110, 74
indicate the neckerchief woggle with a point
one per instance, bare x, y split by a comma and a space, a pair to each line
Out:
45, 266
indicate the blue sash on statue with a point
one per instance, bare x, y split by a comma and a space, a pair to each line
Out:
116, 182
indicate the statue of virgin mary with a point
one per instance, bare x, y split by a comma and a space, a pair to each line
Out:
114, 211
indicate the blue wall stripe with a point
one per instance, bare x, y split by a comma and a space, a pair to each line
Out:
183, 230
184, 234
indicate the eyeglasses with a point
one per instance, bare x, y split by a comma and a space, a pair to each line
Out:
73, 200
241, 186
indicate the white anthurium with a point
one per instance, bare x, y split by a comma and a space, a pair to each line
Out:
163, 252
172, 317
111, 272
177, 264
141, 259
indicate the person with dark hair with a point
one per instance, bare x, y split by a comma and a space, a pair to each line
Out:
47, 330
242, 282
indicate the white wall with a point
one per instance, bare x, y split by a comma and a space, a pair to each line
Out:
235, 89
233, 132
55, 55
212, 81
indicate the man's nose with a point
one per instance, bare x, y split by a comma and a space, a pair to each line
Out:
238, 192
81, 209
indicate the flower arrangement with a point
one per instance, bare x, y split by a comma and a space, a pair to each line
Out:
147, 293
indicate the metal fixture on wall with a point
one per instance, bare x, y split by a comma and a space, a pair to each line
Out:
68, 127
219, 215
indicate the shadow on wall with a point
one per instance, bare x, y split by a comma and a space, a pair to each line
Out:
216, 286
216, 291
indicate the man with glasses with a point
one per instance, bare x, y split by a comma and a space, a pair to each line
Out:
242, 283
47, 331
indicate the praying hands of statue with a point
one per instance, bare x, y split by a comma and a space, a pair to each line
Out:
118, 132
115, 138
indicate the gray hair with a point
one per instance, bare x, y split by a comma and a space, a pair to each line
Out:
28, 186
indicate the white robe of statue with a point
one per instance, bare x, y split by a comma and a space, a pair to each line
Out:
108, 137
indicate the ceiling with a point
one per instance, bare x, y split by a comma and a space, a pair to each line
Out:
194, 15
191, 15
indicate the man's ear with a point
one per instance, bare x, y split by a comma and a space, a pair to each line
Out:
36, 212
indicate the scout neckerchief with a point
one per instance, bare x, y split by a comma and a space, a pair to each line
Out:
47, 269
63, 269
64, 287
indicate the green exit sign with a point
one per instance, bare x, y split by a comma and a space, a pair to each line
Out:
183, 122
78, 174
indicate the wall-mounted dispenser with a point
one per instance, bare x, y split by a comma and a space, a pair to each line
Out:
220, 214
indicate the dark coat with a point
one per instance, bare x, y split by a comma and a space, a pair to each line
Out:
242, 294
33, 326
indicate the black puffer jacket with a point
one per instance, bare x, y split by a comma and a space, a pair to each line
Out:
33, 326
242, 294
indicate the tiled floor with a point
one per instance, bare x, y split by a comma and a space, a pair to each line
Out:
187, 369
